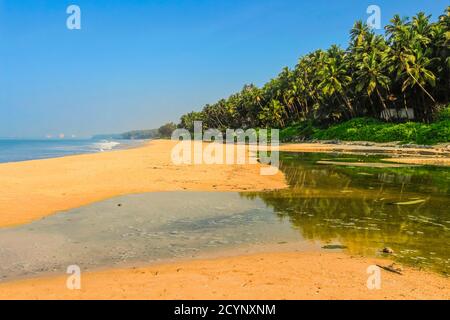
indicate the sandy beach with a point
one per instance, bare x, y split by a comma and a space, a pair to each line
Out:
59, 184
272, 275
35, 189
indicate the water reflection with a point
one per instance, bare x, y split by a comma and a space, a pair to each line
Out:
367, 208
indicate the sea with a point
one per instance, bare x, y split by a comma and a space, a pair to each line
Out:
13, 150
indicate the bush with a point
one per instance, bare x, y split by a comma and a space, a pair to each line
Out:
444, 114
357, 129
299, 131
434, 133
367, 129
404, 132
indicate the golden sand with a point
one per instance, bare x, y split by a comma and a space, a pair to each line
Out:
34, 189
280, 275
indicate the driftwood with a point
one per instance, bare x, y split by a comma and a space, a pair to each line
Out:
391, 268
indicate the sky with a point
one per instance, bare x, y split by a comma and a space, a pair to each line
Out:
138, 64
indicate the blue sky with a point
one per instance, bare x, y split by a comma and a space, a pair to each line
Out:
137, 64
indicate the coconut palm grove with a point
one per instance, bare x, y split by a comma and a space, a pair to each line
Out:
383, 87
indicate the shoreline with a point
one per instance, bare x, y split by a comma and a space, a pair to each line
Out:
59, 184
221, 253
122, 145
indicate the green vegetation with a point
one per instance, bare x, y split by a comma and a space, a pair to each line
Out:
166, 130
140, 134
406, 70
369, 129
444, 114
299, 132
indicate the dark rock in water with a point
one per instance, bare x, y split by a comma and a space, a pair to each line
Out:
334, 247
387, 250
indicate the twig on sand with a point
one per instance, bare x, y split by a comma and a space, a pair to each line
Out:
391, 268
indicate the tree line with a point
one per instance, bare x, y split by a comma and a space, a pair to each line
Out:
408, 67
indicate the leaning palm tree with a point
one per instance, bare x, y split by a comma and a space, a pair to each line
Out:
410, 60
416, 73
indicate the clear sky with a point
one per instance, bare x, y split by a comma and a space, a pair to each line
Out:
136, 64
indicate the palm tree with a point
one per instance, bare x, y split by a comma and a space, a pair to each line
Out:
334, 78
440, 44
358, 34
371, 76
410, 59
368, 63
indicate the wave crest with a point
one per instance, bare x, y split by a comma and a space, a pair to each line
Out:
106, 145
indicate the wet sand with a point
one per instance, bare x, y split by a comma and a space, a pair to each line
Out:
435, 156
434, 161
279, 275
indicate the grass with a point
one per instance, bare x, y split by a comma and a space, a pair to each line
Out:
367, 129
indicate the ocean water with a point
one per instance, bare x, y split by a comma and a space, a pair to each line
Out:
12, 150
